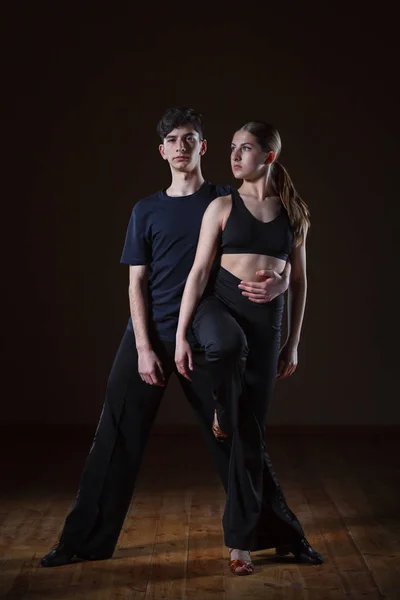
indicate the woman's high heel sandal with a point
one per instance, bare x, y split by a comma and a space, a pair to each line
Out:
241, 567
217, 431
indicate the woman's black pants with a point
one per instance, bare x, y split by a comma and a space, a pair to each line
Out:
241, 340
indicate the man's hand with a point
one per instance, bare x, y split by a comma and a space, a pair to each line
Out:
273, 285
183, 358
287, 362
150, 368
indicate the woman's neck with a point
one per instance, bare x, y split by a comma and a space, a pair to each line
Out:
260, 188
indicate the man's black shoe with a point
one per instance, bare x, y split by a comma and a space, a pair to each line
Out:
61, 555
302, 551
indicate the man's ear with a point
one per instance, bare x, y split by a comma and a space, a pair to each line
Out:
162, 151
203, 147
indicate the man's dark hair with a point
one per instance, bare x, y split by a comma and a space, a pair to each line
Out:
177, 117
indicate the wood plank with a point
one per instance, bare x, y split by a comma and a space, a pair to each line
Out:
314, 581
206, 560
327, 467
344, 491
386, 572
377, 544
135, 549
169, 565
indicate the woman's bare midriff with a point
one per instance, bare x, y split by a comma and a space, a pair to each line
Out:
245, 266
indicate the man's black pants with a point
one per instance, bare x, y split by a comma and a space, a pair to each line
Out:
110, 472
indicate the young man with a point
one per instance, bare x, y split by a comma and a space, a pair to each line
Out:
159, 248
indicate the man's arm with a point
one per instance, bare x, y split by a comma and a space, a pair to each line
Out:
138, 294
137, 254
149, 365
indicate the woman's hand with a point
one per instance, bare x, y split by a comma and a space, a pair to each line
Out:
287, 362
183, 358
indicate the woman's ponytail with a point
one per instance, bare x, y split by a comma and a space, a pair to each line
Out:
297, 209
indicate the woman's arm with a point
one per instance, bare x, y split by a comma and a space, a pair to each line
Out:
296, 309
298, 292
207, 246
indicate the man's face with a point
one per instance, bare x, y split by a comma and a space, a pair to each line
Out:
182, 148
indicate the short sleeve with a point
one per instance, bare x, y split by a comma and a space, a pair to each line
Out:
137, 247
223, 190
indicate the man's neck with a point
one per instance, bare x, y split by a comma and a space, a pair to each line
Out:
185, 184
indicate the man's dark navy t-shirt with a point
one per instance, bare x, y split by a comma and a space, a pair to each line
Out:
163, 232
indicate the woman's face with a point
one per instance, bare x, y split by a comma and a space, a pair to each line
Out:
248, 160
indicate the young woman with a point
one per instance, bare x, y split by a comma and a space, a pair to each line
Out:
258, 227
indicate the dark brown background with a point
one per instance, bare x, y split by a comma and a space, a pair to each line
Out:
85, 90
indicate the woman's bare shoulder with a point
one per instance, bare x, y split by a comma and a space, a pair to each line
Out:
222, 202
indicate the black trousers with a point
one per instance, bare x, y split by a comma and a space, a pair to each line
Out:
244, 371
110, 472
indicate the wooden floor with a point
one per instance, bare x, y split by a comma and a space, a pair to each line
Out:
344, 489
